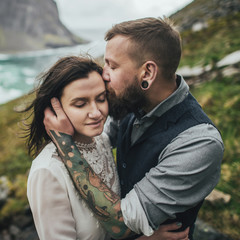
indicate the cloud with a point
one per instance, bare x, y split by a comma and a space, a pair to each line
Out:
103, 14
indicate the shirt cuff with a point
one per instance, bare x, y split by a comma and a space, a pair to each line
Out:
134, 215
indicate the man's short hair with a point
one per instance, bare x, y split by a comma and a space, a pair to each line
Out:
153, 39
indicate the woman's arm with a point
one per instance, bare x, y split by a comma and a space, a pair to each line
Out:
104, 203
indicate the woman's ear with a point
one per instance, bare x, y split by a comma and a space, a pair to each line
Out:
148, 74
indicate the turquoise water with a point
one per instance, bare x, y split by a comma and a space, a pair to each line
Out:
18, 71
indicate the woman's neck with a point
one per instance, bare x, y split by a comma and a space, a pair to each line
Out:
82, 139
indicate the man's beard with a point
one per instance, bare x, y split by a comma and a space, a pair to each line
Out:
130, 101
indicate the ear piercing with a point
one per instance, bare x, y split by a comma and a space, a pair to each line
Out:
144, 84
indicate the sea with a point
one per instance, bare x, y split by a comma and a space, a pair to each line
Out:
18, 72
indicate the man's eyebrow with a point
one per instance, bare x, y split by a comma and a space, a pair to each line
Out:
107, 60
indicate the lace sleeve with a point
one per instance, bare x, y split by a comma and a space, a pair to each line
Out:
100, 157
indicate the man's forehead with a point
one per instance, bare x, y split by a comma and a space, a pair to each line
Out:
116, 48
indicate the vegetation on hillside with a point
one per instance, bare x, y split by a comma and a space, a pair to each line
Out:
210, 45
14, 160
219, 98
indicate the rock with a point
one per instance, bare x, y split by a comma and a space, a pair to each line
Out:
22, 221
230, 59
14, 230
4, 189
186, 71
205, 232
198, 26
230, 71
5, 235
218, 197
29, 233
27, 25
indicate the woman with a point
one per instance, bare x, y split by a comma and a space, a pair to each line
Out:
58, 210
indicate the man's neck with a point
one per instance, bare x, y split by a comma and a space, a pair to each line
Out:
158, 94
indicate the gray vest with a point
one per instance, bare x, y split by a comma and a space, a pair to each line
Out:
134, 161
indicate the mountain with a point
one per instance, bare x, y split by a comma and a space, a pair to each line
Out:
32, 25
196, 15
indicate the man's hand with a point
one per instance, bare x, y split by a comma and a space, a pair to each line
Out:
163, 233
59, 121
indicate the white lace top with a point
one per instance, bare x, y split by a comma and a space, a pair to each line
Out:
58, 210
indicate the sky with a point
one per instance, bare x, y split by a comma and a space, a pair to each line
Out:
92, 14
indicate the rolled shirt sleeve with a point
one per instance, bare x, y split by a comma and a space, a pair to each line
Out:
187, 171
134, 216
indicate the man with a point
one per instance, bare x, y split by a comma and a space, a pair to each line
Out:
168, 151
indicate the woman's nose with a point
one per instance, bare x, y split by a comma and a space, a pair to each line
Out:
94, 112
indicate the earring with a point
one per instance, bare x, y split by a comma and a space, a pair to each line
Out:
144, 84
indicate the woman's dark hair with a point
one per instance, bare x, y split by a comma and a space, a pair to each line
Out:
51, 84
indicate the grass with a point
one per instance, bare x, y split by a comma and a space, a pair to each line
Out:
210, 45
221, 101
219, 98
14, 160
13, 155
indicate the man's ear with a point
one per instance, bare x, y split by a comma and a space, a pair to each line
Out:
148, 74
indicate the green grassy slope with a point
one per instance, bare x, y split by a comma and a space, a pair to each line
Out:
210, 45
221, 101
14, 161
219, 98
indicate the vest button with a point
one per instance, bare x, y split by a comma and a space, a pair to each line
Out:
122, 183
124, 165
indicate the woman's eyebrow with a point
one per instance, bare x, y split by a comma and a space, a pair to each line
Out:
79, 99
103, 92
85, 98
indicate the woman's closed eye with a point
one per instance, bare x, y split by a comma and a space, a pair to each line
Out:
79, 104
102, 98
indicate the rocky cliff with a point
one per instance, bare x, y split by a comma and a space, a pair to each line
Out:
196, 15
32, 25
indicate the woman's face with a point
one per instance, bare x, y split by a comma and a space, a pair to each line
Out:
84, 101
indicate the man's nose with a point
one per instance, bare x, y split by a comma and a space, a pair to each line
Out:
105, 74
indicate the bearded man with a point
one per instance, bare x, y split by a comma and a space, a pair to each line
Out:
169, 152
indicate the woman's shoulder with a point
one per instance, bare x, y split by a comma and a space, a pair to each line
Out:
46, 159
103, 138
48, 163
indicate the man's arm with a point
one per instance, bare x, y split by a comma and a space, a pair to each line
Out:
188, 170
103, 202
